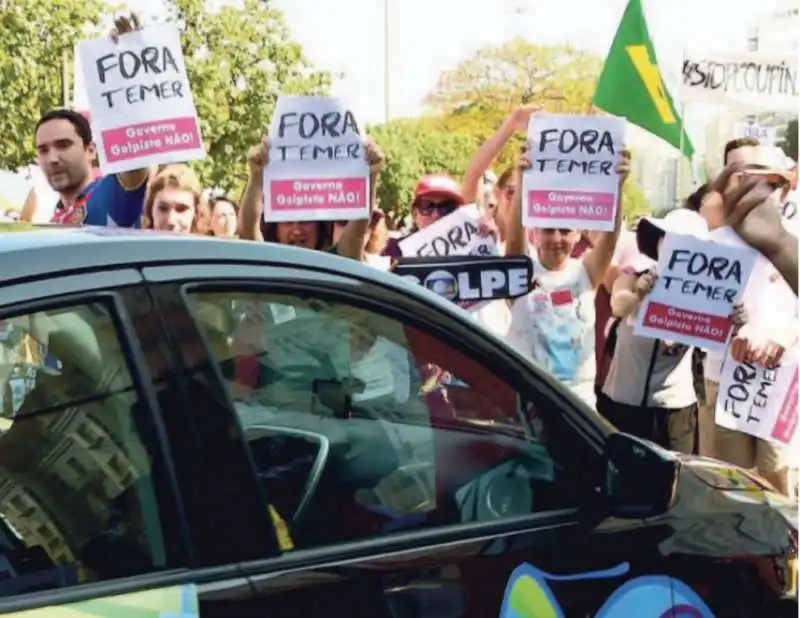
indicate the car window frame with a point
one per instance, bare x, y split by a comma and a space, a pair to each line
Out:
523, 377
353, 292
83, 290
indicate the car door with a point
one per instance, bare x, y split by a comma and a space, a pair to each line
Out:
410, 465
88, 507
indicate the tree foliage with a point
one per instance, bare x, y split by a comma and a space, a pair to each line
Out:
35, 37
634, 201
474, 98
239, 59
413, 149
515, 73
789, 144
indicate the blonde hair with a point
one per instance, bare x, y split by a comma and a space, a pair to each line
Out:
176, 176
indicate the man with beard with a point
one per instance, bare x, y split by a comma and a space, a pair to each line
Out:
65, 152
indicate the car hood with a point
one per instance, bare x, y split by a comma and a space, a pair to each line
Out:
724, 511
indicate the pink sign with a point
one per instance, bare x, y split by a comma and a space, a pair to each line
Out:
151, 138
703, 326
786, 422
318, 194
573, 205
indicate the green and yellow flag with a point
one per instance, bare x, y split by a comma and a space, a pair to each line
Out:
631, 85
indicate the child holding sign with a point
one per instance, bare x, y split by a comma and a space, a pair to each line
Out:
554, 325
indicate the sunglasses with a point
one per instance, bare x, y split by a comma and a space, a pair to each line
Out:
426, 209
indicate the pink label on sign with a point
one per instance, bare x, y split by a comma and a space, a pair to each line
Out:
686, 322
318, 194
151, 138
583, 205
786, 422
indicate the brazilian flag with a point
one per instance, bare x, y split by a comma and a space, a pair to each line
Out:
631, 84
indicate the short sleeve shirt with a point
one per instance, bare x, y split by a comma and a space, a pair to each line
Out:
104, 202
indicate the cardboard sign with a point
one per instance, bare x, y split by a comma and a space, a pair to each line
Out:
142, 111
698, 283
468, 278
758, 401
455, 234
763, 133
573, 183
317, 170
745, 80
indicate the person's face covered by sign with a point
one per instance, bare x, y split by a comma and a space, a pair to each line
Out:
298, 233
64, 155
435, 196
555, 246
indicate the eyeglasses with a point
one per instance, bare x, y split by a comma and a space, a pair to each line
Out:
426, 209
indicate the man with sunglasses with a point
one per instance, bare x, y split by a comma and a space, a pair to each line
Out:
435, 197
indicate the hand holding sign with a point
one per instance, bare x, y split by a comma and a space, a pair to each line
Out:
318, 169
374, 156
124, 25
141, 105
645, 283
258, 158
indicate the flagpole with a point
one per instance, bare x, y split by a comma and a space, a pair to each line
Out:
682, 107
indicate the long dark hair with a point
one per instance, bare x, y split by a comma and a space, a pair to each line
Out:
269, 232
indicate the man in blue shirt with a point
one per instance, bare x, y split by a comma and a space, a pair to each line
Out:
65, 152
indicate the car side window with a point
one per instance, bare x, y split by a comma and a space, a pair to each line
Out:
78, 497
360, 424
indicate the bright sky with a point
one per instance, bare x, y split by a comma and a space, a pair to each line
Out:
429, 36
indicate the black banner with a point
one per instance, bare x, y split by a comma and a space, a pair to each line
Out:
468, 279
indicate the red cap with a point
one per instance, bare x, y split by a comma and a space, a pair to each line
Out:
439, 185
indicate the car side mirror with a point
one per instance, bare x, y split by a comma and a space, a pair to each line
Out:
640, 478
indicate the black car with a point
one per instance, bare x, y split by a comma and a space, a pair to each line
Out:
244, 429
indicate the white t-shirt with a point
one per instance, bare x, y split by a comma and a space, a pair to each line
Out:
554, 326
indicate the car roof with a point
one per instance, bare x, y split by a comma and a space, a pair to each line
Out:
31, 251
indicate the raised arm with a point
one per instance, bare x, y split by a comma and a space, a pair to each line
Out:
251, 207
516, 237
599, 258
354, 235
516, 121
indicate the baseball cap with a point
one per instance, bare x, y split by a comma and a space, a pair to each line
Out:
439, 185
650, 230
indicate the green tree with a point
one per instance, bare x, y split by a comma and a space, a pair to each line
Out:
518, 72
412, 149
634, 202
474, 98
239, 59
789, 144
35, 37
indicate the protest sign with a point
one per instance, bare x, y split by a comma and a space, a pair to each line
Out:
467, 278
455, 234
142, 111
745, 80
758, 401
573, 182
765, 134
317, 170
692, 300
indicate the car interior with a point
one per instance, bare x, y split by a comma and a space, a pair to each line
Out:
357, 430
